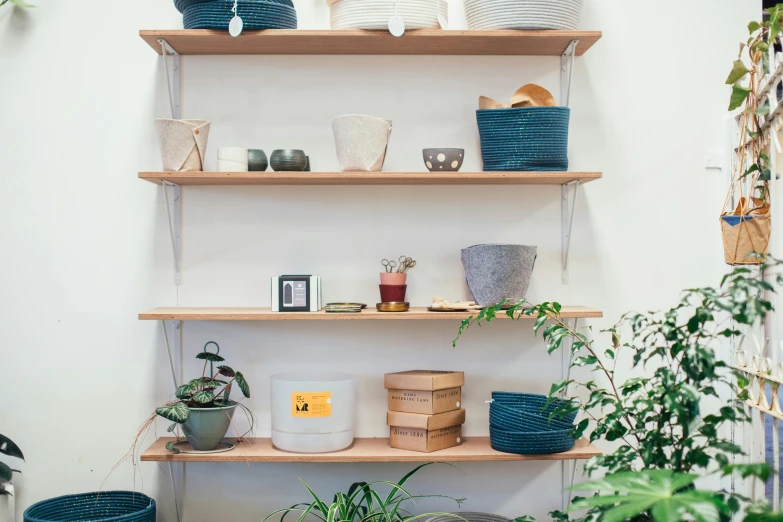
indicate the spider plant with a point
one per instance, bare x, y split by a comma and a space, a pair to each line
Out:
364, 503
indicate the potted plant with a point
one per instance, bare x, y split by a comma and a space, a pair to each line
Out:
8, 447
658, 417
364, 503
745, 220
204, 408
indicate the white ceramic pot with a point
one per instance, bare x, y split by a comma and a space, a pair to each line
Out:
361, 142
232, 159
183, 144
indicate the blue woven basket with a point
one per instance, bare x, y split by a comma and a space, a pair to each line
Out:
533, 403
512, 419
530, 443
256, 15
105, 506
524, 138
181, 5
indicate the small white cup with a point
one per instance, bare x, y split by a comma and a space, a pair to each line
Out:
232, 159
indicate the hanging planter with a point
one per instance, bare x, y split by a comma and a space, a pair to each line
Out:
745, 220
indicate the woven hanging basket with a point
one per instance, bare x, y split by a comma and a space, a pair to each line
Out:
746, 232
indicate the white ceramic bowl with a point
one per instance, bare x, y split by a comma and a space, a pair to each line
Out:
523, 14
375, 14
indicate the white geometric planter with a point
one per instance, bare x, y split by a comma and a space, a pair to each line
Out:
361, 142
183, 144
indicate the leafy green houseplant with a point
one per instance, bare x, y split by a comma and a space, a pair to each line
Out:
8, 447
18, 3
658, 418
363, 503
203, 406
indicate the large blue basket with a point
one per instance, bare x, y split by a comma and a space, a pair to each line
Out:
105, 506
256, 14
524, 423
530, 443
524, 138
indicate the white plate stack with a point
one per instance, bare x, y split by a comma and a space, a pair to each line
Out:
375, 14
523, 14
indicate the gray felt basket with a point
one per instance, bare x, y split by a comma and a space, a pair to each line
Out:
497, 272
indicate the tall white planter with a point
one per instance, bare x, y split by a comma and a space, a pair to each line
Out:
183, 144
361, 142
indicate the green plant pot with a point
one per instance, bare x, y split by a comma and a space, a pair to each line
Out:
206, 427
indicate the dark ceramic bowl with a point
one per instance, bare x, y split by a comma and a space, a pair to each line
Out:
256, 160
443, 160
288, 159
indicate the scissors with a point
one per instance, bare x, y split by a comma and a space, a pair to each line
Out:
409, 263
389, 266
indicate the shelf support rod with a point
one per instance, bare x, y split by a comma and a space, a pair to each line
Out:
175, 80
175, 225
174, 490
566, 70
567, 209
168, 350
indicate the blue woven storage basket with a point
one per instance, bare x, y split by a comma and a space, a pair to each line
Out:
512, 419
530, 443
256, 15
103, 506
524, 138
182, 4
533, 403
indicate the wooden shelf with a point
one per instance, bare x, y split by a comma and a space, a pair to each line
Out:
473, 449
369, 178
334, 42
369, 314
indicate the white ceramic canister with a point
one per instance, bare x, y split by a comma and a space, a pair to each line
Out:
232, 159
313, 412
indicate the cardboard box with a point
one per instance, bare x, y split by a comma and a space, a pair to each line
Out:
423, 380
426, 422
414, 439
427, 402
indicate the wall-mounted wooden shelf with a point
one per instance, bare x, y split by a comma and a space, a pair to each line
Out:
370, 178
369, 314
473, 449
421, 42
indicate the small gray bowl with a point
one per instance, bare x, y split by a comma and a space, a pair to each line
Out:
443, 160
288, 160
256, 160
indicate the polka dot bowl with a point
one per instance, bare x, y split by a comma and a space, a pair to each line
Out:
443, 160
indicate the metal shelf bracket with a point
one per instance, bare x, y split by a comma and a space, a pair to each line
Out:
567, 209
175, 225
566, 69
171, 83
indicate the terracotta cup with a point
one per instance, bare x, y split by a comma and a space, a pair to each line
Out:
393, 293
393, 278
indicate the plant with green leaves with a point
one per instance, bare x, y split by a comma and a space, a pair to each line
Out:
8, 447
18, 3
364, 503
658, 417
210, 390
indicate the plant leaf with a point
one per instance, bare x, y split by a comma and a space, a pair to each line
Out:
203, 397
226, 370
738, 96
243, 385
184, 390
5, 472
738, 72
209, 356
8, 447
20, 3
170, 446
177, 412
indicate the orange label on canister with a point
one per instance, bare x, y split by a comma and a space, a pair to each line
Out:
310, 404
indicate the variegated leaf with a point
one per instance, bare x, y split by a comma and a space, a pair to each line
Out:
209, 356
243, 385
172, 427
170, 446
226, 370
203, 397
177, 412
184, 391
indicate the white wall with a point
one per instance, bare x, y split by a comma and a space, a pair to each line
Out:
85, 244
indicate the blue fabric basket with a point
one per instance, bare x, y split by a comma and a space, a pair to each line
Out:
256, 15
512, 419
524, 138
181, 5
532, 403
520, 423
104, 506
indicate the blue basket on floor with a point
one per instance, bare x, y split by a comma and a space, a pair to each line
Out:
256, 14
524, 138
105, 506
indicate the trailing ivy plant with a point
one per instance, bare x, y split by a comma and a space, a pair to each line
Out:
364, 503
657, 418
8, 447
